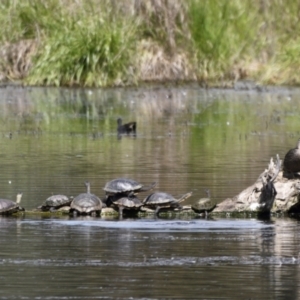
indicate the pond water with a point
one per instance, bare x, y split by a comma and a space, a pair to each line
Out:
188, 139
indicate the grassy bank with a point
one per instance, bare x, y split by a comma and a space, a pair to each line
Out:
104, 43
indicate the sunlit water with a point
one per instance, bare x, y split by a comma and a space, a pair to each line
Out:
189, 139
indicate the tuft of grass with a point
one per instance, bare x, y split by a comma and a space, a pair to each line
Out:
87, 43
164, 22
85, 47
163, 41
237, 39
223, 33
86, 52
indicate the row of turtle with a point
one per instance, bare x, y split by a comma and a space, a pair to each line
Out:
120, 195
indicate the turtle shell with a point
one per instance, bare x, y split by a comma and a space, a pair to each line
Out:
127, 202
8, 207
123, 202
55, 202
204, 205
160, 199
125, 186
86, 203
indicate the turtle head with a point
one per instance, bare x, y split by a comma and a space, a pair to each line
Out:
88, 186
207, 191
119, 120
19, 197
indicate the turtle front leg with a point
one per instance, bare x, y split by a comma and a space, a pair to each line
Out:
157, 210
179, 207
121, 212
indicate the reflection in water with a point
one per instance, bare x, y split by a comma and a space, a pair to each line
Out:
188, 139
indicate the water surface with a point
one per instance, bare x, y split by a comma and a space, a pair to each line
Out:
189, 139
149, 259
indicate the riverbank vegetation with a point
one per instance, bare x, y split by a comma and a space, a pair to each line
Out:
106, 43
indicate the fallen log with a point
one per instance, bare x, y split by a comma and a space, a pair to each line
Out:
273, 192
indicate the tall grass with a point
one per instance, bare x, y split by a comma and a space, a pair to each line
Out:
88, 47
89, 53
80, 43
224, 33
108, 42
239, 38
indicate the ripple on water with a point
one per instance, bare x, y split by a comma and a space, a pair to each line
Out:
154, 262
155, 225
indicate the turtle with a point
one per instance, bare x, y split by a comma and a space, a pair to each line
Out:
291, 162
86, 203
127, 128
204, 205
161, 200
55, 202
121, 202
126, 187
8, 207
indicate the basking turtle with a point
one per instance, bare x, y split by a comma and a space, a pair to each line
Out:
128, 203
160, 200
291, 162
55, 202
126, 187
127, 128
8, 207
204, 205
86, 203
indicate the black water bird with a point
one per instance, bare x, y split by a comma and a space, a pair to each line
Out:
291, 162
128, 128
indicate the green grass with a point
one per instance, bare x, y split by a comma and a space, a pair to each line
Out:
98, 43
236, 35
84, 45
223, 34
88, 53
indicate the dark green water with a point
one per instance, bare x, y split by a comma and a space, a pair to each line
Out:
189, 139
